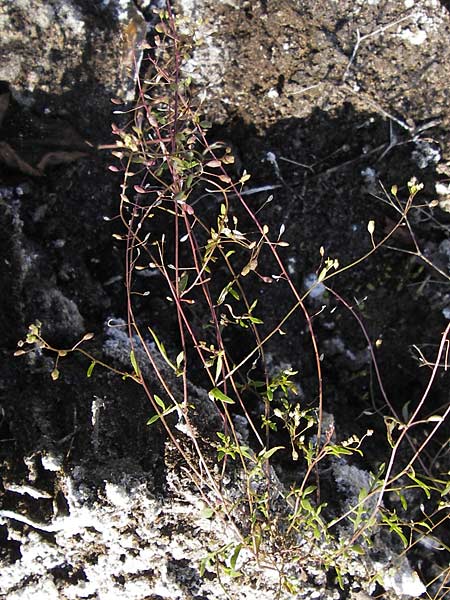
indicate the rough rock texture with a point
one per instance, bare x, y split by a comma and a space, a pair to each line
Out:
95, 504
299, 58
57, 47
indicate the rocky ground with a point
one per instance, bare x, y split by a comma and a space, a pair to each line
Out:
323, 103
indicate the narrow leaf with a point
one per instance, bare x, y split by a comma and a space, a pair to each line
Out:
183, 281
266, 454
218, 367
159, 402
162, 349
134, 363
216, 394
153, 419
180, 359
90, 369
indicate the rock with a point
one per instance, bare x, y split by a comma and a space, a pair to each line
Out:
401, 579
59, 52
264, 73
45, 589
16, 263
59, 313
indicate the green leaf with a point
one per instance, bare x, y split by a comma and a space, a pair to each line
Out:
306, 504
189, 180
207, 513
339, 578
235, 556
216, 394
266, 454
166, 410
180, 197
134, 363
162, 350
411, 474
153, 419
256, 321
391, 522
202, 567
403, 501
218, 367
224, 293
234, 293
183, 281
245, 451
180, 359
446, 490
90, 369
322, 274
362, 494
159, 402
